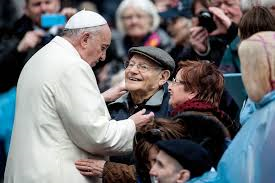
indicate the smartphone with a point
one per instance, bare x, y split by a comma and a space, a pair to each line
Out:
50, 20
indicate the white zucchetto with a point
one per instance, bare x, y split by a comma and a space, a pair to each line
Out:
85, 19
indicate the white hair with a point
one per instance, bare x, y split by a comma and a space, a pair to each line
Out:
248, 4
77, 32
145, 5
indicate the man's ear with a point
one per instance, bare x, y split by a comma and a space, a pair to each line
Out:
183, 176
165, 74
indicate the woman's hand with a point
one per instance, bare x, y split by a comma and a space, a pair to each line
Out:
90, 167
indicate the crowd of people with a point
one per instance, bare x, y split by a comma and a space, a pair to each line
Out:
133, 91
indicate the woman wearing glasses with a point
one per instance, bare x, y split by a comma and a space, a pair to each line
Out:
198, 87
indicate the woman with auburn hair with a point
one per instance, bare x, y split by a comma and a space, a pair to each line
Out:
198, 87
254, 145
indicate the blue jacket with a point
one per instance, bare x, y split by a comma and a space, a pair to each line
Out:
250, 156
158, 104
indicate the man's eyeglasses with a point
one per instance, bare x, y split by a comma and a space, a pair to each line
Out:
151, 136
140, 67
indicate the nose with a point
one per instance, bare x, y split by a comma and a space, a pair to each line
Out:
170, 85
103, 56
152, 171
43, 7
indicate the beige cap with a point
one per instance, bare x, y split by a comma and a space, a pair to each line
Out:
85, 19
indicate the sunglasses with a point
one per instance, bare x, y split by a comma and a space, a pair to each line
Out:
151, 136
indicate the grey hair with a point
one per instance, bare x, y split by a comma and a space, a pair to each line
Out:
249, 4
77, 32
145, 5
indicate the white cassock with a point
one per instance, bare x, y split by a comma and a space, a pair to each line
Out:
61, 117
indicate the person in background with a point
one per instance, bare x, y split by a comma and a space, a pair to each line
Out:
180, 161
249, 158
198, 87
26, 38
177, 22
137, 25
211, 45
66, 117
255, 20
231, 62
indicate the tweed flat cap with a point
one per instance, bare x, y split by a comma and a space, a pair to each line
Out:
157, 55
190, 155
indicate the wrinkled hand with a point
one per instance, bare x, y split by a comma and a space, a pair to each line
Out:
141, 119
222, 21
90, 167
115, 92
30, 40
68, 12
199, 39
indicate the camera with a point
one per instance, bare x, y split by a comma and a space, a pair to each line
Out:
206, 21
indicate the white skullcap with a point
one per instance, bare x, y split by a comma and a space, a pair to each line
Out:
85, 19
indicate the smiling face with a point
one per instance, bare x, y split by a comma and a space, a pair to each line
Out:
178, 95
141, 81
137, 22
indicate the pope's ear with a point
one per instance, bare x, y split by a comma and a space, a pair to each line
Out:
84, 39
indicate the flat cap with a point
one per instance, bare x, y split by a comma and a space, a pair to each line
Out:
154, 54
189, 154
85, 19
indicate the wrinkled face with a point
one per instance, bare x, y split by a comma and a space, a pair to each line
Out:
97, 45
177, 93
165, 170
142, 75
179, 29
230, 7
136, 22
35, 8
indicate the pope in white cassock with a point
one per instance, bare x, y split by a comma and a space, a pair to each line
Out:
60, 114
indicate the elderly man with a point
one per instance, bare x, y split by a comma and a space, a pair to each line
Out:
65, 118
146, 76
180, 161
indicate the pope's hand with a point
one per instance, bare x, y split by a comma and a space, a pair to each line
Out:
141, 119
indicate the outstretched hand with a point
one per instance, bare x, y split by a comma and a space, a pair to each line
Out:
141, 119
115, 92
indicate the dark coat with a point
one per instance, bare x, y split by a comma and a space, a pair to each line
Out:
122, 108
11, 61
